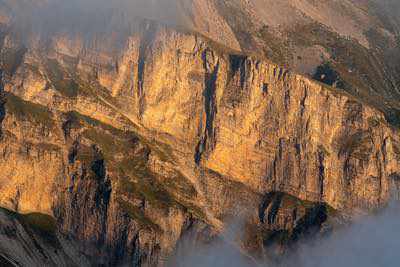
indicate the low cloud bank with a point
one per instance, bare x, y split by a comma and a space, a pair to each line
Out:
89, 17
371, 241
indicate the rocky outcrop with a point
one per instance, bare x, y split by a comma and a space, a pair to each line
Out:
96, 182
32, 240
284, 219
264, 126
128, 149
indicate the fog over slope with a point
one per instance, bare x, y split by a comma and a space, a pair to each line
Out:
369, 241
224, 21
77, 13
88, 17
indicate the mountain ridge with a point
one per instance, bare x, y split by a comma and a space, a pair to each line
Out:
131, 148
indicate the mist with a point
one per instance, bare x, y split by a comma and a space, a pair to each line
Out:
89, 18
369, 241
94, 17
222, 251
92, 10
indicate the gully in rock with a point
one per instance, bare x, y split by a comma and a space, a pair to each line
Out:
199, 133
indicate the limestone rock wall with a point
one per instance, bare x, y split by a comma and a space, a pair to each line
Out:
128, 149
264, 126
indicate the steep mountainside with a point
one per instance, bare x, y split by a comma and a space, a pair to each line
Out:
117, 142
352, 45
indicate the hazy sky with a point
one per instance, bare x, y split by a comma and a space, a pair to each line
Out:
93, 11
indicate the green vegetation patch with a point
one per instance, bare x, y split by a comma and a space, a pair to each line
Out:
180, 184
145, 187
162, 150
127, 156
113, 140
109, 139
150, 190
82, 120
158, 195
138, 215
66, 80
11, 59
276, 50
140, 182
42, 224
108, 143
136, 179
25, 110
61, 82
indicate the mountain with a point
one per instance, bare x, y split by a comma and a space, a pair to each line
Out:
127, 126
353, 45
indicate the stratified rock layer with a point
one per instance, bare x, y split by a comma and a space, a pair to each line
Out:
128, 149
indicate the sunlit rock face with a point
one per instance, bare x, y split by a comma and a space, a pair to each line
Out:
127, 138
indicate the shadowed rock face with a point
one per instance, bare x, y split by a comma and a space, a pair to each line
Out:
32, 240
128, 144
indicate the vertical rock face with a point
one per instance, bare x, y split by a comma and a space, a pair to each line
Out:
97, 182
129, 148
274, 130
32, 240
264, 126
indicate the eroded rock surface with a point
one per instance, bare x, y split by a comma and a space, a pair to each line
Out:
129, 143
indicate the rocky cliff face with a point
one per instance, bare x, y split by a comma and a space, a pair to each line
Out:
128, 149
32, 240
349, 44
